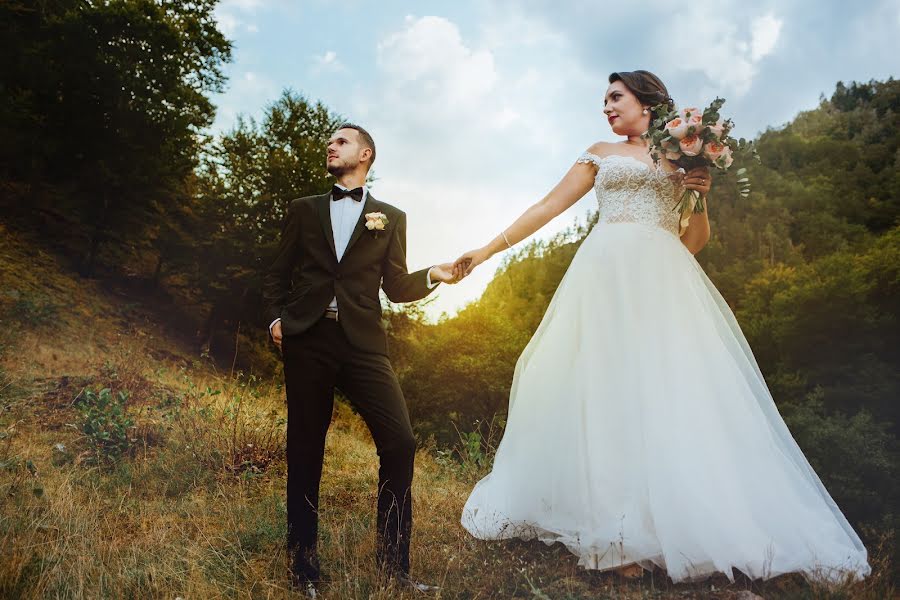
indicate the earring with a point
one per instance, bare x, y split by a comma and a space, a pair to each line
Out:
645, 111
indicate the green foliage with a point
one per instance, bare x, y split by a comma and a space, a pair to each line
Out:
104, 424
478, 353
834, 322
855, 456
470, 448
31, 309
99, 113
22, 310
246, 181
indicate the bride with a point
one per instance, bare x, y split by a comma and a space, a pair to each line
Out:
640, 430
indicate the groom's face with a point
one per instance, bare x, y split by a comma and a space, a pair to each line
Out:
344, 152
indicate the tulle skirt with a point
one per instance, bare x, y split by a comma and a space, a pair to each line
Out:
640, 430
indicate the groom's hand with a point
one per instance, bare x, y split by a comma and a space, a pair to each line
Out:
276, 334
445, 273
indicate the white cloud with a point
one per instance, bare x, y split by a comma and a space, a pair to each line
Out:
512, 29
465, 111
429, 66
764, 36
328, 62
724, 49
234, 16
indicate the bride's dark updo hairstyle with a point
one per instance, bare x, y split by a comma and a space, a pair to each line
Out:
647, 87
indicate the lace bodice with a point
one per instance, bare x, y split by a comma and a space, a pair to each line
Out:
630, 190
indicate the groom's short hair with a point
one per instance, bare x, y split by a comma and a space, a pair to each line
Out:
366, 137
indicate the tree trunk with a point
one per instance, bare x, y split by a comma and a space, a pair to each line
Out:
158, 271
91, 260
209, 328
97, 236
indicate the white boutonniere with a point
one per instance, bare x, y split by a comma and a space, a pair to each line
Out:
376, 221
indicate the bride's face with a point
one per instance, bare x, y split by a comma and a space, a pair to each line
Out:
623, 111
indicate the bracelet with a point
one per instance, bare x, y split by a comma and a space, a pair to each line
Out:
503, 233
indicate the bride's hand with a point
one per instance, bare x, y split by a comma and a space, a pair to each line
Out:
698, 179
466, 263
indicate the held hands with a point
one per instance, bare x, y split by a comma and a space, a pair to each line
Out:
445, 273
454, 272
465, 264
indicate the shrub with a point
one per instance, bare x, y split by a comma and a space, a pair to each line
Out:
104, 424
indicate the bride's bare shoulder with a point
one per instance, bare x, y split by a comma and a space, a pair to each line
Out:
602, 149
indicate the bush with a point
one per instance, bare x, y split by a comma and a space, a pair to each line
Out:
29, 309
856, 458
104, 424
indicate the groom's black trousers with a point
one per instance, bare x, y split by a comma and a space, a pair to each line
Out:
315, 363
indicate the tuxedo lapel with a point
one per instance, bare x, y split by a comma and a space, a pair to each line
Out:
323, 204
361, 224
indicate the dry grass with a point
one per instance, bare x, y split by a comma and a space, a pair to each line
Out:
196, 507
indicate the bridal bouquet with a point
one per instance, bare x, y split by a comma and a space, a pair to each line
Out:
690, 139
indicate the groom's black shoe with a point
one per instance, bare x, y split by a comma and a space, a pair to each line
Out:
301, 584
305, 575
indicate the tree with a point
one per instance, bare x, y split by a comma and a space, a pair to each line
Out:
247, 179
106, 99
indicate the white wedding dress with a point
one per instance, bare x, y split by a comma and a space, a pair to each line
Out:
640, 429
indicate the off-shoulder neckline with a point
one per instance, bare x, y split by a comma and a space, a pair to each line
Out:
653, 167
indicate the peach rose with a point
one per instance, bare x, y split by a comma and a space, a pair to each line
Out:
691, 145
694, 123
713, 150
677, 128
725, 159
718, 129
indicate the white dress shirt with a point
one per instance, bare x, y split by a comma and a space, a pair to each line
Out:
345, 215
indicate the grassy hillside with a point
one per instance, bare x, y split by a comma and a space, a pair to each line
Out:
179, 490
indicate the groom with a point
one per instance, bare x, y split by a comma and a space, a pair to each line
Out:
321, 293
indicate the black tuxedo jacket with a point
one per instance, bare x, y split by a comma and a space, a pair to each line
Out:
305, 274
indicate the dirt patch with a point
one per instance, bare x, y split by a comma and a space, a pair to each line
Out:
53, 401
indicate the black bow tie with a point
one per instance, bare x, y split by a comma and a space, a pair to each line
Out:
338, 193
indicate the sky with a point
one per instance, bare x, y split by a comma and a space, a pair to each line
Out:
478, 108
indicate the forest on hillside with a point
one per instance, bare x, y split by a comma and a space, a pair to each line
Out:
106, 160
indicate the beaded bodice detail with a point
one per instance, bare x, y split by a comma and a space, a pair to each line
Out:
630, 190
